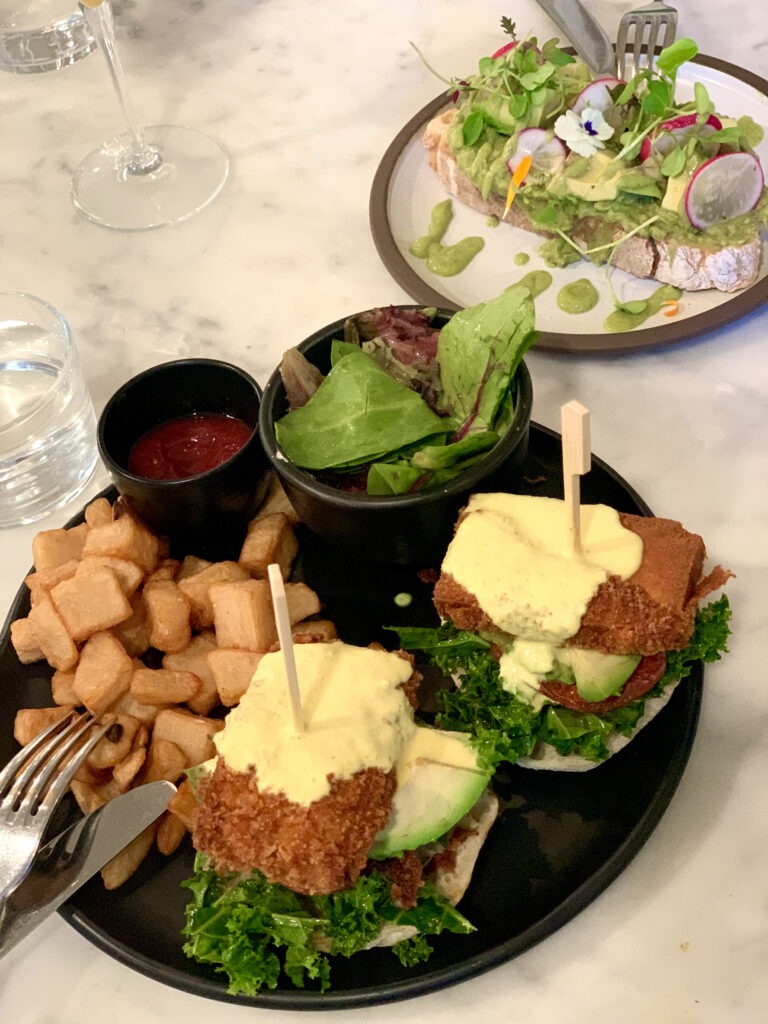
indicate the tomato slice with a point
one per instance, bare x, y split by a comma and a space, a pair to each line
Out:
644, 678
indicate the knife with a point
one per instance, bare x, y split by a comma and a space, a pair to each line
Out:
585, 33
74, 856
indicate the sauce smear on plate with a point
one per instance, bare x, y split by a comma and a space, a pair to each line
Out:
187, 446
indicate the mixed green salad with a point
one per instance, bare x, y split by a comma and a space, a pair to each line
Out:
532, 125
406, 405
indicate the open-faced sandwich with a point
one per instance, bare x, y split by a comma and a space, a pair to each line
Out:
560, 658
618, 172
358, 829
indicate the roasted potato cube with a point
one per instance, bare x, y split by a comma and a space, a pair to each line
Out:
86, 795
126, 772
146, 713
103, 673
98, 513
30, 722
196, 587
170, 832
167, 616
183, 804
302, 602
165, 760
63, 687
52, 635
129, 574
193, 659
25, 642
164, 686
115, 745
232, 671
192, 733
54, 547
125, 537
314, 631
90, 601
133, 632
269, 539
277, 500
167, 569
190, 565
42, 582
121, 867
242, 615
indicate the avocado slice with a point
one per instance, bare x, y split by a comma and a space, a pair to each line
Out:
596, 675
434, 795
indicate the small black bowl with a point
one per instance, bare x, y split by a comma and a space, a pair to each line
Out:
407, 529
206, 514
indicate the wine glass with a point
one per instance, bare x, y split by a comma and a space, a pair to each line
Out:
146, 177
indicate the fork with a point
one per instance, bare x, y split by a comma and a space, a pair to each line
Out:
32, 784
639, 32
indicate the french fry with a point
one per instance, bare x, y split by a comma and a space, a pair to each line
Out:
302, 602
30, 722
164, 686
103, 673
192, 733
270, 539
88, 799
54, 547
277, 500
314, 631
127, 704
232, 672
168, 611
121, 867
167, 569
90, 601
190, 565
52, 635
133, 632
242, 615
129, 574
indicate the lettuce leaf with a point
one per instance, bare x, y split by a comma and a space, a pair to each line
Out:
255, 931
506, 728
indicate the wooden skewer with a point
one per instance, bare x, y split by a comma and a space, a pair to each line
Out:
577, 458
283, 622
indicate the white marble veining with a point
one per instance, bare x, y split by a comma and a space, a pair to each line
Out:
306, 98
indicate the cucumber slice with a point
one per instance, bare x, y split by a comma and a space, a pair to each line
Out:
433, 797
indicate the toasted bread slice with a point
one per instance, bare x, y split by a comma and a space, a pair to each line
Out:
693, 268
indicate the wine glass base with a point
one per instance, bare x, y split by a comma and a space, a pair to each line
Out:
192, 172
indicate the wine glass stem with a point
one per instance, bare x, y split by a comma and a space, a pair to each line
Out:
143, 159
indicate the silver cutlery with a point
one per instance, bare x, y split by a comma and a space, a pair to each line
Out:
584, 32
641, 32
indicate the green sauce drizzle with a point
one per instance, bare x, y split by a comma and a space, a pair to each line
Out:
578, 296
536, 281
521, 259
444, 260
632, 314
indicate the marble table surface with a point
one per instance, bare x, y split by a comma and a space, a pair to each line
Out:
306, 98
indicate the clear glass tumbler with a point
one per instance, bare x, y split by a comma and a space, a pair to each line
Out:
47, 422
42, 35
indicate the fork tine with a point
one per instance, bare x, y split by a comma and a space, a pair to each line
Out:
653, 27
30, 773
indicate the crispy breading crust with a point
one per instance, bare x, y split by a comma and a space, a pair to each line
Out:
692, 268
652, 611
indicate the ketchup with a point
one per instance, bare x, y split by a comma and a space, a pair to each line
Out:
188, 446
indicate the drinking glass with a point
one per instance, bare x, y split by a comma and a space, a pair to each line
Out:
47, 423
145, 177
42, 35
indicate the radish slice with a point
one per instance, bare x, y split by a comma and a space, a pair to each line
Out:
723, 187
546, 151
504, 49
596, 95
677, 128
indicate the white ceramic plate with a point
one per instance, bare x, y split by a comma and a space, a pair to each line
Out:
405, 189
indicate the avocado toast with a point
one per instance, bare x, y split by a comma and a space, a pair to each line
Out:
617, 172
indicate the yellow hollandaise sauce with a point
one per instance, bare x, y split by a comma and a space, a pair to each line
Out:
515, 554
356, 716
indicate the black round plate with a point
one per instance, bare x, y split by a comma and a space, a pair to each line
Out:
560, 840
